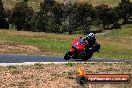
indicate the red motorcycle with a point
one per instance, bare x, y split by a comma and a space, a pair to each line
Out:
78, 48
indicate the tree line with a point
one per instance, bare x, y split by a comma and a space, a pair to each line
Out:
55, 17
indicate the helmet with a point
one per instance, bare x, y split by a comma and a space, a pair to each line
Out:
91, 36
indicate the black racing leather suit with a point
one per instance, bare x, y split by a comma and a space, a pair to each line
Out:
91, 45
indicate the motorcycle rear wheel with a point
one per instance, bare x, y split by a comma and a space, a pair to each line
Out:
81, 80
87, 57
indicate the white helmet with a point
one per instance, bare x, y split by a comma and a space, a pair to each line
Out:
91, 36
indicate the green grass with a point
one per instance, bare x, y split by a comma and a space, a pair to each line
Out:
115, 44
48, 42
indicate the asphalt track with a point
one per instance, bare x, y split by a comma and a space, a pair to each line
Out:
12, 59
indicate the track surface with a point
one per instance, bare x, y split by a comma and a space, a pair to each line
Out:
7, 58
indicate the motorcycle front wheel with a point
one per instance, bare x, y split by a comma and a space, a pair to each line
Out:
68, 55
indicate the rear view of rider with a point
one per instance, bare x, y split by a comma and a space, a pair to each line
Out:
90, 40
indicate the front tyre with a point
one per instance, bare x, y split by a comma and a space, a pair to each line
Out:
68, 55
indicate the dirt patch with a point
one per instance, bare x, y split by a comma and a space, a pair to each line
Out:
59, 75
18, 48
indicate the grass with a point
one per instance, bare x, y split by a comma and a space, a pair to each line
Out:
10, 4
70, 64
111, 3
115, 44
53, 43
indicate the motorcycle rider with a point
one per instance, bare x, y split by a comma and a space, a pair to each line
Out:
83, 48
90, 40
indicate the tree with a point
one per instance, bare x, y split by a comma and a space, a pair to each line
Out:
3, 22
49, 2
67, 16
124, 10
113, 17
39, 22
86, 14
45, 19
2, 15
57, 14
67, 9
47, 5
21, 16
102, 15
7, 13
73, 22
107, 16
25, 1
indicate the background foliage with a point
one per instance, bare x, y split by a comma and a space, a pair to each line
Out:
57, 17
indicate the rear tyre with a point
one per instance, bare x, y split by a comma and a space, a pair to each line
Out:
81, 80
68, 55
85, 59
83, 56
96, 47
88, 56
